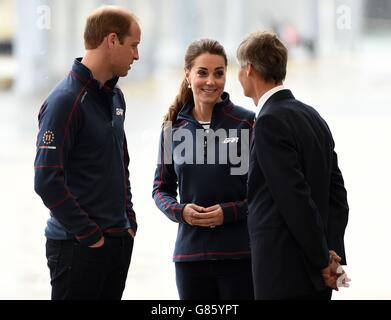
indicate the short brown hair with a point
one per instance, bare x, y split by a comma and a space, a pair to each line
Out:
266, 53
105, 20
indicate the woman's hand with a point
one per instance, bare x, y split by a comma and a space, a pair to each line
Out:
189, 212
203, 217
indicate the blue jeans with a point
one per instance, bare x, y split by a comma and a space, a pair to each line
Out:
79, 272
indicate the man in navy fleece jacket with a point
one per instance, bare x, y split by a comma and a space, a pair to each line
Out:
81, 165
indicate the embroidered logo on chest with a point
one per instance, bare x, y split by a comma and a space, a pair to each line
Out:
231, 140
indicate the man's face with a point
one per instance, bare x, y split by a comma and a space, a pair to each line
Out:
123, 55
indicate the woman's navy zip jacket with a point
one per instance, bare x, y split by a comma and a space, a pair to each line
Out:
81, 165
205, 181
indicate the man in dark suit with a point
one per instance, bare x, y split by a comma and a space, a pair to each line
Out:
297, 203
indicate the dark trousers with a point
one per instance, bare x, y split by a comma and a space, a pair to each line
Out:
215, 280
317, 295
78, 272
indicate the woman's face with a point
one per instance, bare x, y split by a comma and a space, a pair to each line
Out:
207, 78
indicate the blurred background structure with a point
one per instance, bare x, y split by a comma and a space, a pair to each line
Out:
339, 63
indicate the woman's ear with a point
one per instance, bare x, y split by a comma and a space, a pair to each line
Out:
187, 75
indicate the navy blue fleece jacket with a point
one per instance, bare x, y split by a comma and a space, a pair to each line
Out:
206, 183
81, 165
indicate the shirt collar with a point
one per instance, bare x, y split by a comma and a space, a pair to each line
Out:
267, 95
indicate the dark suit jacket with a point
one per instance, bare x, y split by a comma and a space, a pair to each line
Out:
297, 202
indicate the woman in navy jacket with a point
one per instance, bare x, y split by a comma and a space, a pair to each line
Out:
204, 152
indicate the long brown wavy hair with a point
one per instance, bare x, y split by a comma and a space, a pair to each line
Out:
185, 94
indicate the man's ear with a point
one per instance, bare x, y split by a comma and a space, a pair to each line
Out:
249, 70
111, 39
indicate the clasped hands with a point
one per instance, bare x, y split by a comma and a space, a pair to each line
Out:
334, 275
203, 217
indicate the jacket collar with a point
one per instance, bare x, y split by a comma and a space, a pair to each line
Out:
81, 72
186, 112
278, 96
